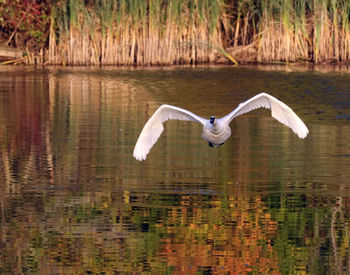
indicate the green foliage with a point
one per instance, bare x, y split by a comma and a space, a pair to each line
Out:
24, 23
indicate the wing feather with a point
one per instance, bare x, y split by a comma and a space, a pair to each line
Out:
154, 127
279, 111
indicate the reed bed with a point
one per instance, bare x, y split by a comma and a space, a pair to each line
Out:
316, 31
135, 32
165, 32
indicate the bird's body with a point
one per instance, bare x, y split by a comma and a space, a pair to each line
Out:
215, 131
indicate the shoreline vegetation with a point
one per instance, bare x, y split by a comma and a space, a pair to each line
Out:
170, 32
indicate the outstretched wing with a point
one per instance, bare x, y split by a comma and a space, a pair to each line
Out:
154, 127
279, 111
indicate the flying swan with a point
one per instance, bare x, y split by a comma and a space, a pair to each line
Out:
215, 130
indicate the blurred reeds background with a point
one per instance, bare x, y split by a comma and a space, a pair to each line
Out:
165, 32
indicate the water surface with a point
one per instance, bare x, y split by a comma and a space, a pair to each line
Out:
73, 199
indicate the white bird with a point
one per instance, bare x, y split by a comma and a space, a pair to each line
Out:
215, 130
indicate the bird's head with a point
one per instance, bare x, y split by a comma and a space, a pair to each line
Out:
212, 119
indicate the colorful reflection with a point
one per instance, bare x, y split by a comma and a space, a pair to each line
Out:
74, 201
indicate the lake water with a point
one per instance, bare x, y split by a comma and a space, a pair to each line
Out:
73, 200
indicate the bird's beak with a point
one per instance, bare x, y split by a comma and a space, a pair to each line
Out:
212, 119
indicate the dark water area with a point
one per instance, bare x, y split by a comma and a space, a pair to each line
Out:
73, 200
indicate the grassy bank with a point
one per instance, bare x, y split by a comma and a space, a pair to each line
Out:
162, 32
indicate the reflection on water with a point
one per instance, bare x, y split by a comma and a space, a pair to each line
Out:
73, 200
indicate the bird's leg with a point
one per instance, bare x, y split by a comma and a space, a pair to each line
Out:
211, 144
